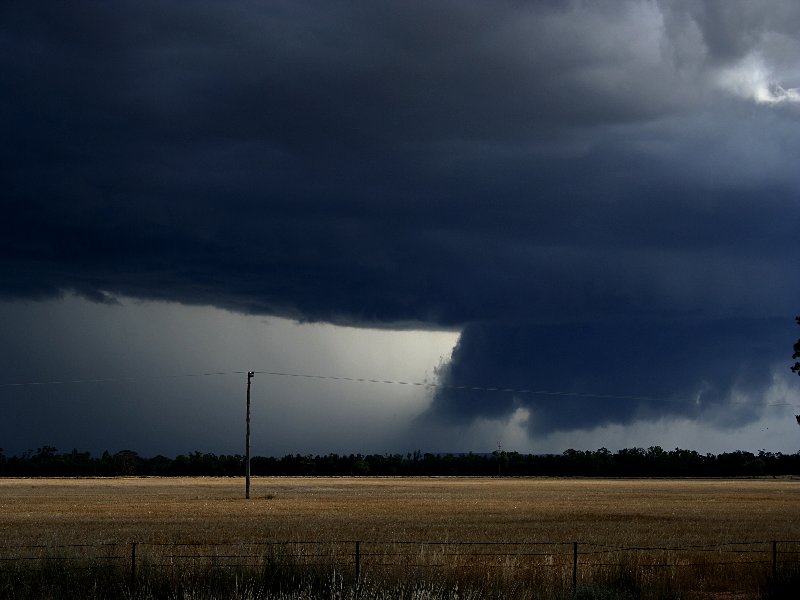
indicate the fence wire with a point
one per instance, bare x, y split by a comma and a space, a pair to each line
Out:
562, 561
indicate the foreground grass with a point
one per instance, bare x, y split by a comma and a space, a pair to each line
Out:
98, 582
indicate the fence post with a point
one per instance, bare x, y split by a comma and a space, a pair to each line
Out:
358, 561
574, 567
774, 559
133, 563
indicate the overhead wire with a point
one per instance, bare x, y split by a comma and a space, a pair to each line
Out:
475, 388
364, 380
423, 384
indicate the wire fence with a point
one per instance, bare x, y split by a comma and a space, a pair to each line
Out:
563, 563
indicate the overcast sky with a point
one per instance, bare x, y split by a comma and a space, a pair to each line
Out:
596, 200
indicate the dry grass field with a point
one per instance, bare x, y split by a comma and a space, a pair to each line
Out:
605, 517
630, 512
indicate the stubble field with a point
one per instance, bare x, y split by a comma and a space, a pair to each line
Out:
211, 510
515, 538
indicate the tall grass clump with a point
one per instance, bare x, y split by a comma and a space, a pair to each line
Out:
628, 582
59, 580
783, 584
282, 580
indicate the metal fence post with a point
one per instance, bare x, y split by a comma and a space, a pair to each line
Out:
774, 559
358, 561
133, 563
574, 567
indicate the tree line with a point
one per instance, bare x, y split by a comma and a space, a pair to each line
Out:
630, 462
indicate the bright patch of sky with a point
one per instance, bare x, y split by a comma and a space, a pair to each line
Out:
156, 398
753, 80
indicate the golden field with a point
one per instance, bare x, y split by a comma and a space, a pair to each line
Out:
199, 538
211, 510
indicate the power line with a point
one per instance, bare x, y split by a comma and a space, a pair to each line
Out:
474, 388
364, 380
422, 384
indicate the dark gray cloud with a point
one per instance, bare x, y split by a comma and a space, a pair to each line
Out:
730, 30
711, 371
437, 163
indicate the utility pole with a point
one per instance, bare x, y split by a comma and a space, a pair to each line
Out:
247, 441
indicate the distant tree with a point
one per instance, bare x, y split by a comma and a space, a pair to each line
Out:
500, 457
358, 465
77, 464
631, 462
127, 462
46, 462
796, 355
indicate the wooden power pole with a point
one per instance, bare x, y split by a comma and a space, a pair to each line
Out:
247, 442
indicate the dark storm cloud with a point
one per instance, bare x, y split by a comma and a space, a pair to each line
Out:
729, 29
441, 163
714, 371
